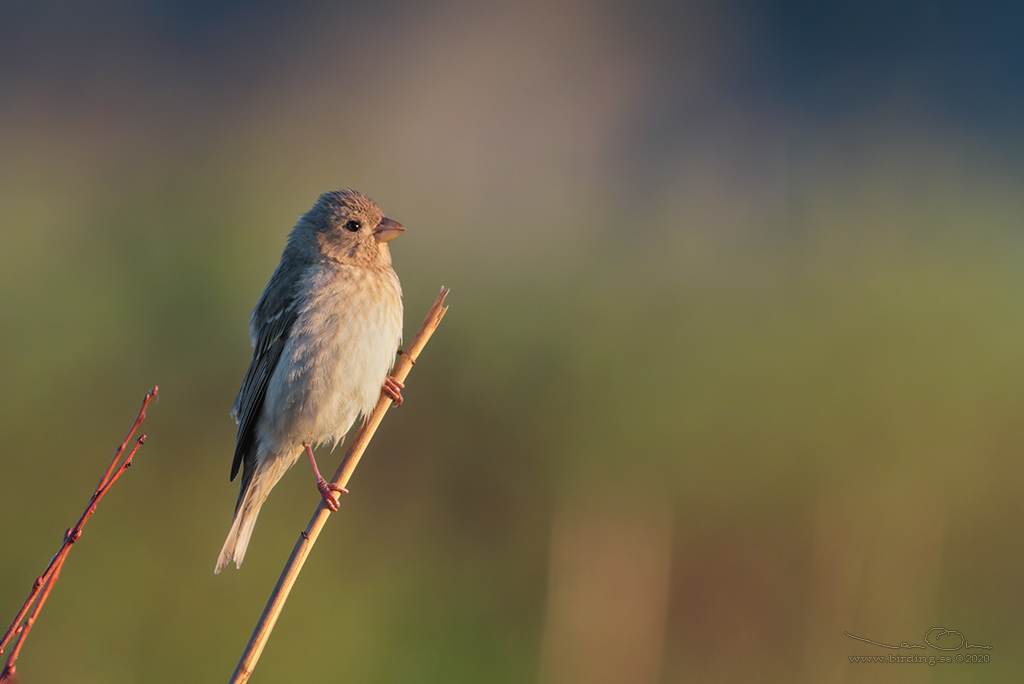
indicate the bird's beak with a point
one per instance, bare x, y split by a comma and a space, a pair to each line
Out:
388, 230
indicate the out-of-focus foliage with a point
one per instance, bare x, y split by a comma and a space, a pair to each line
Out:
734, 361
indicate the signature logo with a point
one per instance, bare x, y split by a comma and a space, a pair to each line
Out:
939, 638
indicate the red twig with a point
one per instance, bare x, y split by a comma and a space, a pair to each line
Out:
21, 625
23, 630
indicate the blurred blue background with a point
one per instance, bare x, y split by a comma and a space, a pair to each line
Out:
734, 362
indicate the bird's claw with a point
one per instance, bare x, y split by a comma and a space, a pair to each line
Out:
393, 389
327, 490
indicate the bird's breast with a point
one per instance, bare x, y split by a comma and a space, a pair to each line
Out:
340, 349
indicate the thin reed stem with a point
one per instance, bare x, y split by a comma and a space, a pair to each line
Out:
308, 537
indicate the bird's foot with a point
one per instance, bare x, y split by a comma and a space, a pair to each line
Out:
327, 490
393, 389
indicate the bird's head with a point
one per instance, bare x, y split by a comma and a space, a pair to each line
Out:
348, 227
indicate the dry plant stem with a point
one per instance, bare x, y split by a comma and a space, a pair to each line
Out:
44, 583
341, 477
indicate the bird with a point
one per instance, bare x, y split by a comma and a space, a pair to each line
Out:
325, 334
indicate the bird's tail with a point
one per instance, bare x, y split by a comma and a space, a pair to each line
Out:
254, 492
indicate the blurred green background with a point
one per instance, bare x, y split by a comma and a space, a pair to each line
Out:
734, 361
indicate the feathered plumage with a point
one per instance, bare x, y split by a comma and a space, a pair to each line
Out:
324, 335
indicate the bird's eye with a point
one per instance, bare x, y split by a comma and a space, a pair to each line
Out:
352, 225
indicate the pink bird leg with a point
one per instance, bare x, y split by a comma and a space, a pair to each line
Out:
393, 388
326, 488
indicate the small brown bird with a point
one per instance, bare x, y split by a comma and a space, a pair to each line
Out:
324, 335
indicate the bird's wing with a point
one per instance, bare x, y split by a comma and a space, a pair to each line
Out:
270, 327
